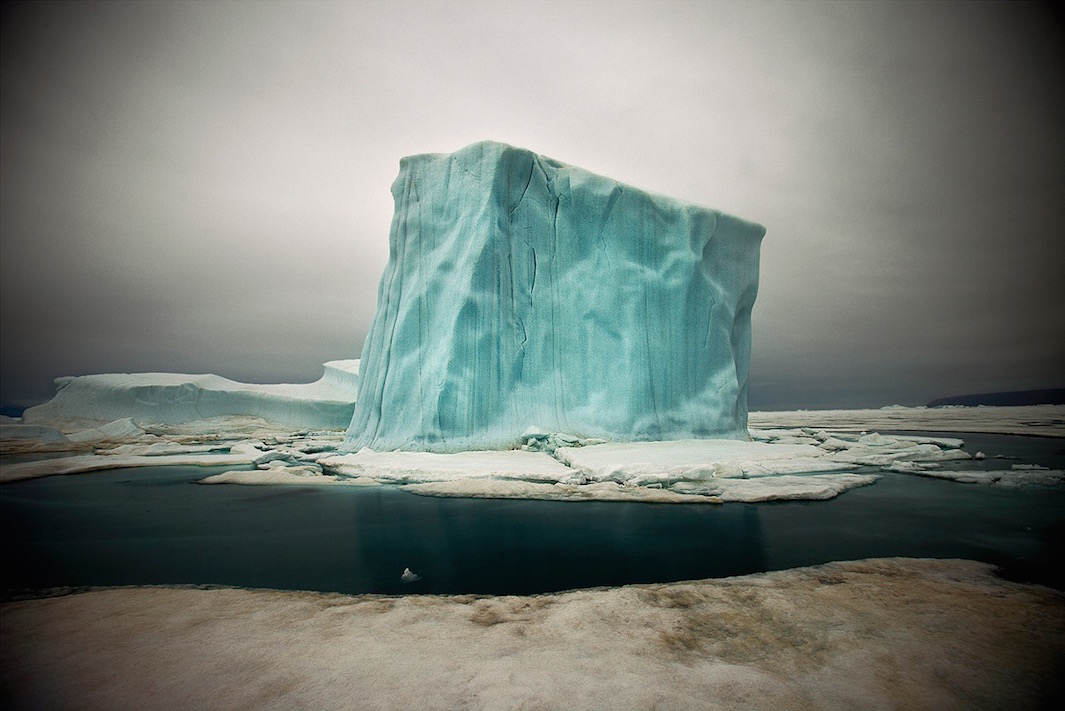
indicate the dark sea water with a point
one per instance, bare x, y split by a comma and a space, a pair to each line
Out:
157, 526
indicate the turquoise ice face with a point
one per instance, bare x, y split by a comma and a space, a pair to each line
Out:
522, 292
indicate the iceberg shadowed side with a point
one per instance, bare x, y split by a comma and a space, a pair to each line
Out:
522, 292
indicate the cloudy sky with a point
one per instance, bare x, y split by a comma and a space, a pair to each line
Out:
204, 187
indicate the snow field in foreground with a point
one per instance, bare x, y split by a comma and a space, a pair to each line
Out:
888, 633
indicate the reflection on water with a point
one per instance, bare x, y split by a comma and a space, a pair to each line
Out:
155, 526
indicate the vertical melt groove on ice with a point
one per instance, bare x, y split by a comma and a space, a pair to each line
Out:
523, 292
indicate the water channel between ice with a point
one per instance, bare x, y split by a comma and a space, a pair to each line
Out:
156, 526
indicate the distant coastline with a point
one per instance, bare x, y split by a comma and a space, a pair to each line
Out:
1016, 398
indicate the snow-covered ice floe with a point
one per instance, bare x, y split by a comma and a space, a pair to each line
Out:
1031, 420
874, 634
1016, 475
241, 453
420, 467
230, 441
689, 471
780, 463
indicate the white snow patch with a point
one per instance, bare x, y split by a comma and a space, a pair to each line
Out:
665, 463
1006, 478
517, 489
414, 467
301, 475
815, 487
778, 488
117, 430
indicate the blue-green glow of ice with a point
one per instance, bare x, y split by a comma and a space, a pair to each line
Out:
522, 292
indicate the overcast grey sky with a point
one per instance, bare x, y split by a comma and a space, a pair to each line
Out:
204, 187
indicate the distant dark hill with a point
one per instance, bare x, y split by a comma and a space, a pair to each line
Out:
1047, 396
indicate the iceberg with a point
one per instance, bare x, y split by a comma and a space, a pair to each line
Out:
523, 292
168, 398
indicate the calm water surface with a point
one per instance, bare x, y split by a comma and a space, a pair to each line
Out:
157, 526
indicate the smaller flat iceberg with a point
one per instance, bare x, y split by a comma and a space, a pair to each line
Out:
170, 398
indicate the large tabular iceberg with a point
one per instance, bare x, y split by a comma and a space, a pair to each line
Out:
522, 292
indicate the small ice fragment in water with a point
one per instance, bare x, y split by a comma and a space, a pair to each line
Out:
409, 577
